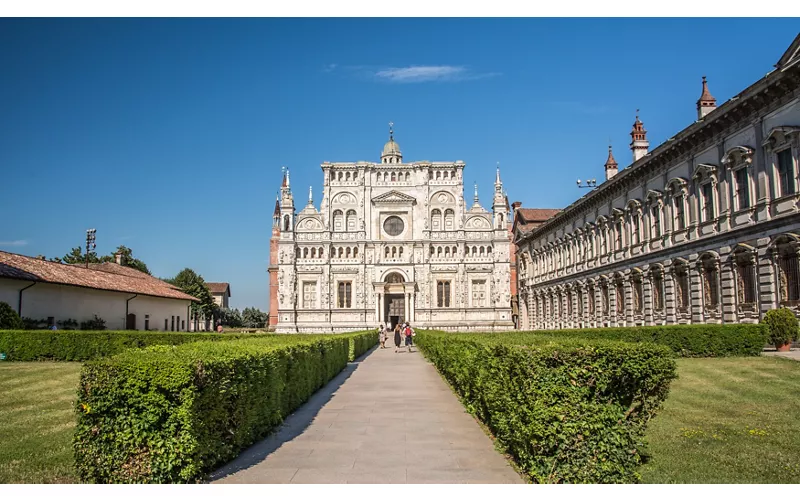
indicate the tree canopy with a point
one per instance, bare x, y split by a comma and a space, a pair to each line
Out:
76, 256
254, 318
193, 284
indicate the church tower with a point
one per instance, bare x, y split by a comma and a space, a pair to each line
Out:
287, 205
706, 104
639, 142
273, 263
499, 204
611, 165
391, 150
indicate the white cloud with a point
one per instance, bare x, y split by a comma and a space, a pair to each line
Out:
14, 243
330, 67
416, 74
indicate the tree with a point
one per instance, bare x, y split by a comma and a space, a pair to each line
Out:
9, 319
231, 318
128, 260
193, 284
76, 256
254, 318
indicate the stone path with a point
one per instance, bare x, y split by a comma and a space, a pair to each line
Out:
793, 354
388, 418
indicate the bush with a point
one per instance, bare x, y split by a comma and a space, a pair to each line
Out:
685, 340
781, 326
568, 410
9, 319
95, 323
360, 343
173, 414
67, 324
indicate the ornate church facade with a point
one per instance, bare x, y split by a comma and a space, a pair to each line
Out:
391, 241
703, 229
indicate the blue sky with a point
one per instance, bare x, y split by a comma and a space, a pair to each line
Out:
168, 135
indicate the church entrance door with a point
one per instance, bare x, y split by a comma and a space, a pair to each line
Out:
395, 308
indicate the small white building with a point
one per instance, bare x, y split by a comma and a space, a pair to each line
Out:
125, 298
221, 292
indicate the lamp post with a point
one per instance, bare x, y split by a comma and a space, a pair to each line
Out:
589, 183
90, 245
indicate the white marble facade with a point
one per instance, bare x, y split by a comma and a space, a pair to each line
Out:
393, 241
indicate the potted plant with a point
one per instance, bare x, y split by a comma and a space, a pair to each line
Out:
783, 328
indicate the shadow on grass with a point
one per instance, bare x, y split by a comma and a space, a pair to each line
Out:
293, 426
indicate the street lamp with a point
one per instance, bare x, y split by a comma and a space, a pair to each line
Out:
589, 183
90, 237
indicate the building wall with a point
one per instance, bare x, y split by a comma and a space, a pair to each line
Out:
735, 264
62, 302
370, 193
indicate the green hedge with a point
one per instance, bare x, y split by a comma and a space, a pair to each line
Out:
172, 414
568, 410
77, 345
700, 341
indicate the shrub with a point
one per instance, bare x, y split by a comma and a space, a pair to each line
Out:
781, 326
173, 414
685, 340
360, 343
95, 323
568, 410
68, 324
9, 319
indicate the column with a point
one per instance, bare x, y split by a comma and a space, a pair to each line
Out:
411, 316
727, 288
670, 298
647, 292
405, 306
377, 307
696, 291
612, 304
767, 277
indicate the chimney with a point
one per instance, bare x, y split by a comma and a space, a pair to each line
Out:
639, 142
516, 205
118, 258
706, 104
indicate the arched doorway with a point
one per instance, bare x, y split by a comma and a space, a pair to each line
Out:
394, 308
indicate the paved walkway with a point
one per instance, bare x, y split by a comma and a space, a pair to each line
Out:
388, 418
793, 354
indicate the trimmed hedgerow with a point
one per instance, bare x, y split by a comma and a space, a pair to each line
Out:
690, 341
361, 342
568, 410
78, 345
172, 414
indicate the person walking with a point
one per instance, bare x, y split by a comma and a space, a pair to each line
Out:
397, 337
382, 336
409, 333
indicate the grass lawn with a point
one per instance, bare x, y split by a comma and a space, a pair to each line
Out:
37, 420
728, 420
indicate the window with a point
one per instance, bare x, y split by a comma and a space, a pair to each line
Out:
746, 279
785, 172
345, 294
682, 288
166, 324
742, 188
680, 219
618, 245
569, 303
443, 293
146, 322
393, 225
789, 275
478, 293
449, 217
183, 324
658, 291
285, 222
604, 297
310, 294
590, 294
172, 325
338, 220
656, 220
638, 305
635, 228
351, 220
710, 285
620, 290
436, 219
707, 196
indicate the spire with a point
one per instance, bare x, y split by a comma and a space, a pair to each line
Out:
391, 130
277, 211
611, 165
639, 142
310, 197
707, 103
497, 179
476, 193
285, 177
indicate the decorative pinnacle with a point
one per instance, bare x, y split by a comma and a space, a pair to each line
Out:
391, 131
476, 192
310, 198
497, 179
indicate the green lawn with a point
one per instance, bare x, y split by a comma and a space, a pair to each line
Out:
37, 420
728, 420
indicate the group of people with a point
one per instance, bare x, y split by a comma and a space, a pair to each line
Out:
401, 331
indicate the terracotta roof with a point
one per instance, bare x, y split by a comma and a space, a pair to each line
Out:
611, 162
537, 214
105, 276
706, 95
219, 287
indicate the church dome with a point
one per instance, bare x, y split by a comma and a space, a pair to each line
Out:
391, 150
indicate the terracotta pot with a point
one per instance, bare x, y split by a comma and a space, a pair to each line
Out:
784, 348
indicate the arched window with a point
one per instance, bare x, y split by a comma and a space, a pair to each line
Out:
438, 251
355, 252
449, 219
474, 251
338, 221
340, 176
347, 252
453, 174
432, 251
394, 252
319, 252
386, 252
436, 219
305, 253
489, 250
785, 252
298, 253
455, 251
638, 292
394, 177
313, 253
394, 278
341, 252
709, 267
681, 274
447, 252
619, 289
408, 177
400, 252
351, 220
744, 259
657, 281
285, 222
438, 175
